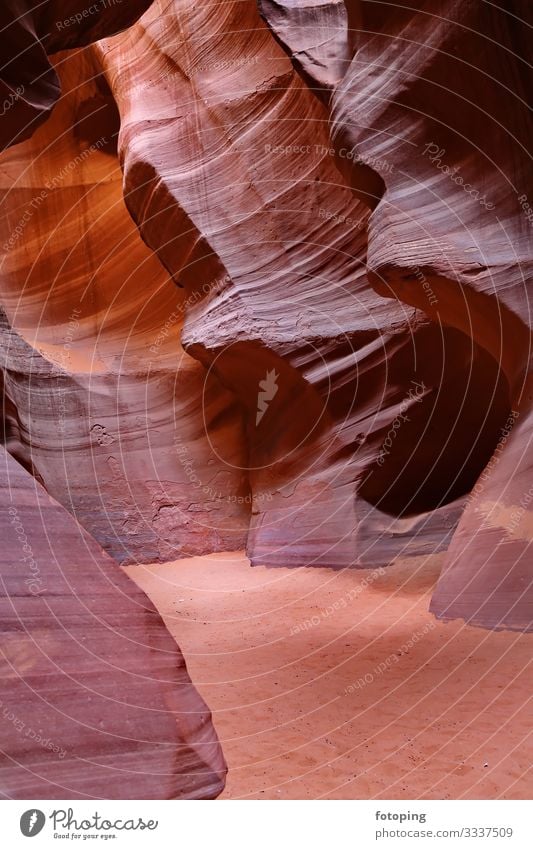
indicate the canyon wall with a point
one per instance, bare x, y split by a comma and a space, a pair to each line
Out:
451, 235
29, 32
373, 318
106, 409
264, 283
96, 700
316, 343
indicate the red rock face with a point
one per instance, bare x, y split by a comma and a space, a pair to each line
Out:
317, 37
230, 172
85, 653
268, 322
449, 236
89, 670
310, 335
29, 86
340, 199
106, 408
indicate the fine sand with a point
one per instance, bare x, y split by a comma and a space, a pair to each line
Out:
341, 685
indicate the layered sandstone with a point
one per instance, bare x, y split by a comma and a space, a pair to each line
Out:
333, 213
29, 32
232, 178
104, 406
450, 236
96, 700
368, 421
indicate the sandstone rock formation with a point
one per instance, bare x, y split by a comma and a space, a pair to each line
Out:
107, 410
29, 86
77, 721
449, 236
230, 174
339, 197
231, 218
96, 701
317, 37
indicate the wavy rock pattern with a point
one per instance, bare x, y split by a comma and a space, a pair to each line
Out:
105, 407
96, 699
317, 37
451, 237
341, 197
96, 702
214, 182
29, 86
230, 173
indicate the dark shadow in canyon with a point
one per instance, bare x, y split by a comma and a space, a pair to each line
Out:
440, 448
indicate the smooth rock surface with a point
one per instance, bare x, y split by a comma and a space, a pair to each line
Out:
230, 173
435, 105
108, 411
29, 31
96, 701
351, 271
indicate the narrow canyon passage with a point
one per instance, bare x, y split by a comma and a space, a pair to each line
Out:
266, 349
341, 685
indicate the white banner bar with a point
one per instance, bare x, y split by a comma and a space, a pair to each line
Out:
269, 824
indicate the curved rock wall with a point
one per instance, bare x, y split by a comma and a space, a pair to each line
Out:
230, 171
341, 198
450, 235
233, 177
29, 85
107, 410
96, 699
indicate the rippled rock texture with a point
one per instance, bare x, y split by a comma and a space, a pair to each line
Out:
29, 32
96, 700
373, 316
451, 235
103, 405
333, 205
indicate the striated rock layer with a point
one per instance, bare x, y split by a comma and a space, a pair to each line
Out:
230, 174
29, 85
316, 35
450, 235
104, 406
96, 700
340, 196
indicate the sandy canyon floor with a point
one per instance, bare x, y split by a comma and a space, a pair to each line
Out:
341, 685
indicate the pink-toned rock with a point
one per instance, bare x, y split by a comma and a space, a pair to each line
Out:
230, 173
108, 411
29, 86
352, 271
316, 35
445, 128
96, 700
